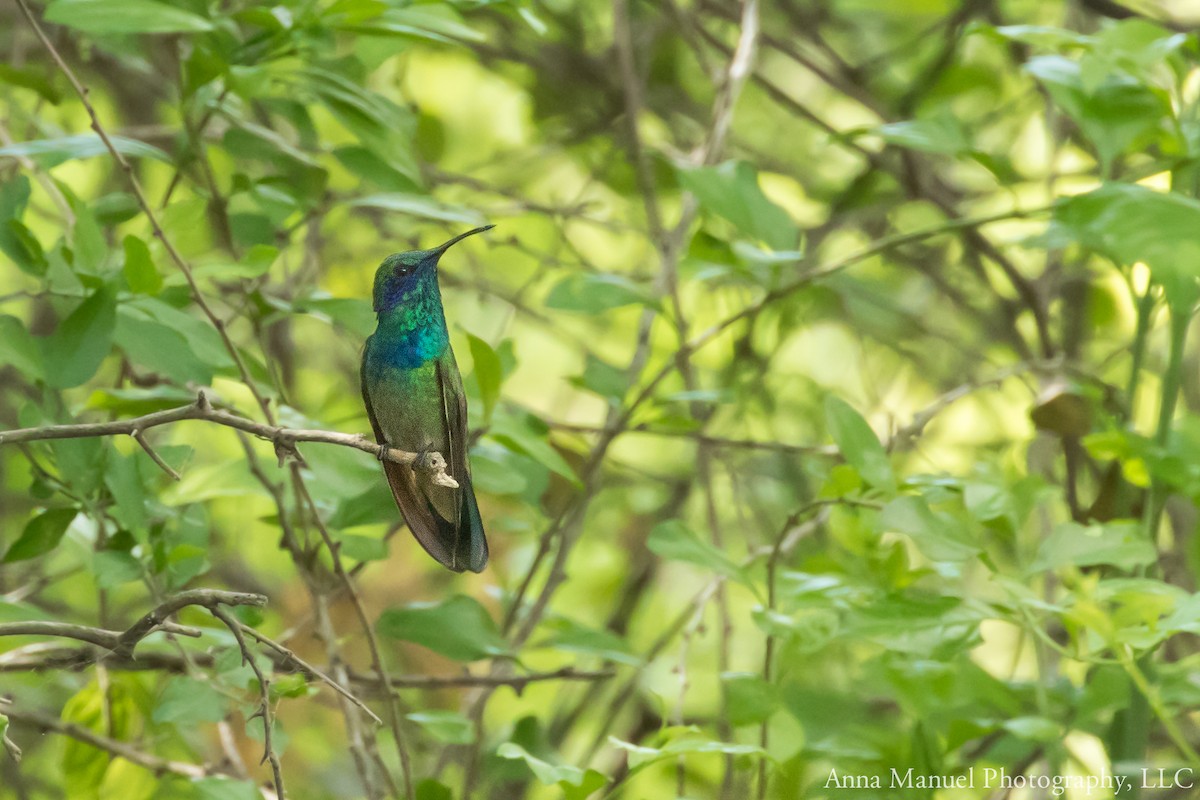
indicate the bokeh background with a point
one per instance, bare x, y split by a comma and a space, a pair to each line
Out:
829, 372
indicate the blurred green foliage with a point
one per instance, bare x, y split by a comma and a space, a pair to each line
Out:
829, 371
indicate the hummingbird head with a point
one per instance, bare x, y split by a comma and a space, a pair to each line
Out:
401, 272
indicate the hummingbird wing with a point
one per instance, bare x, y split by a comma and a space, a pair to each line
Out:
471, 546
444, 521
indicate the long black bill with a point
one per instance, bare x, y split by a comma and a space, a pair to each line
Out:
460, 237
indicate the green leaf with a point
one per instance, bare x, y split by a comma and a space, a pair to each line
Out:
497, 470
353, 314
30, 257
938, 535
159, 348
434, 22
51, 152
72, 354
594, 294
1041, 36
41, 535
731, 190
33, 79
488, 373
228, 479
807, 629
1071, 544
373, 506
573, 637
602, 378
858, 443
115, 567
420, 206
575, 783
749, 698
124, 780
458, 628
91, 249
940, 134
673, 540
640, 756
1130, 223
125, 484
140, 273
402, 178
377, 122
509, 432
19, 349
124, 16
187, 702
429, 789
1112, 115
448, 727
14, 197
225, 789
363, 548
201, 337
1034, 729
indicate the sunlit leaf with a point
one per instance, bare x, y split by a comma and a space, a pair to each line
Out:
458, 628
487, 373
673, 540
50, 152
858, 443
731, 190
574, 782
448, 727
594, 293
420, 206
124, 16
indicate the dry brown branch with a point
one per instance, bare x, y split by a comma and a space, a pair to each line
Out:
518, 683
212, 599
284, 439
290, 658
121, 644
264, 708
124, 750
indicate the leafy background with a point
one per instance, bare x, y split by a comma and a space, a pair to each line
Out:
829, 371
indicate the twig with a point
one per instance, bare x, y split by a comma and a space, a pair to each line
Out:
212, 599
122, 643
292, 658
122, 749
36, 658
516, 682
285, 439
14, 752
264, 708
704, 438
140, 438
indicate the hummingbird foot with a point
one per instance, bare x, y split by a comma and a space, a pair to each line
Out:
426, 461
433, 464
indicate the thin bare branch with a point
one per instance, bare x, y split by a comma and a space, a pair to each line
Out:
264, 708
285, 439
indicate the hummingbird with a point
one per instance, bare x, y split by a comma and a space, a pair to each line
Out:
415, 401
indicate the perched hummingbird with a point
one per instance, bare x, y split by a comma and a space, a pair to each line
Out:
415, 400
